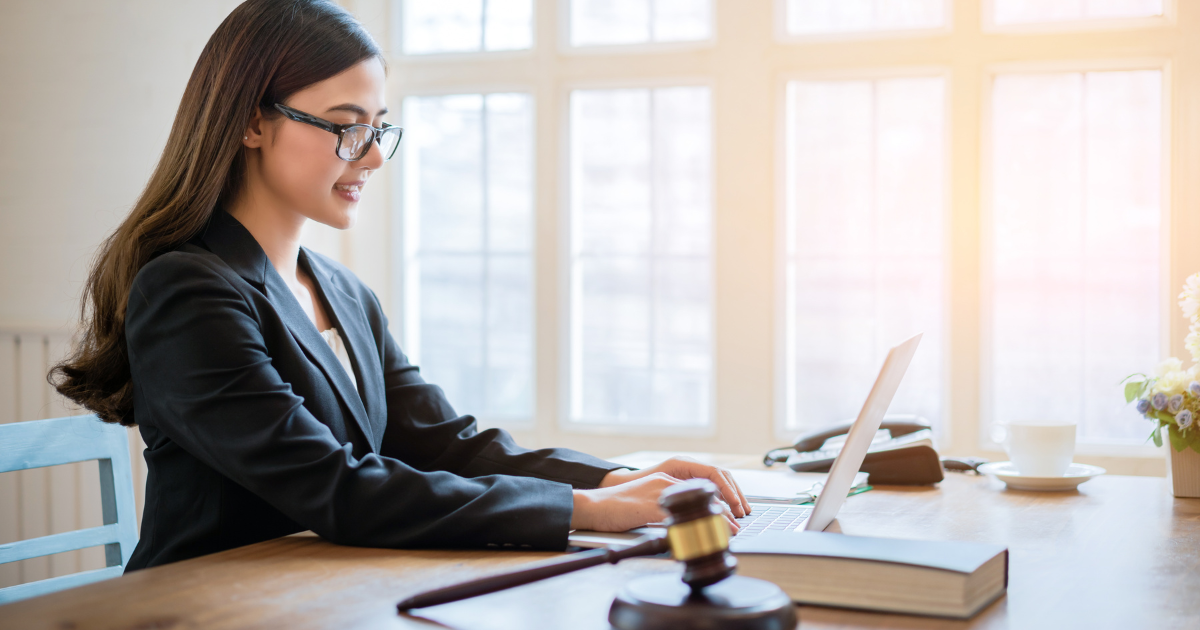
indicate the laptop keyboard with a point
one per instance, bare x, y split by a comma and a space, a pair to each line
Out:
772, 518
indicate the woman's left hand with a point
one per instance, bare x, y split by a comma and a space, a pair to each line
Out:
687, 468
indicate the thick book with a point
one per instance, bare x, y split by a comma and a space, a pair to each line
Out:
938, 578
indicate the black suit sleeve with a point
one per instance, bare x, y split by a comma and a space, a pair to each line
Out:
424, 431
197, 351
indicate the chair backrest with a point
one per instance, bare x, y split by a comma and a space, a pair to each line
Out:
40, 443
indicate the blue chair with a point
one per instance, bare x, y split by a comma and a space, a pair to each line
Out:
40, 443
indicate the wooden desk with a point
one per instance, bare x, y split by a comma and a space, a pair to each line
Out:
1119, 553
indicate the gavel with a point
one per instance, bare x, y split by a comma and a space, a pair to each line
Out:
697, 535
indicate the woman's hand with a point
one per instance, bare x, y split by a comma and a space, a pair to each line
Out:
687, 468
629, 498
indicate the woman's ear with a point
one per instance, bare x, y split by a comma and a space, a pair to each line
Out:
253, 138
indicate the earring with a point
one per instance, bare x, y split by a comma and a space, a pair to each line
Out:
245, 137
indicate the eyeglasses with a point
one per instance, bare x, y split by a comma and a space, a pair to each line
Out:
353, 140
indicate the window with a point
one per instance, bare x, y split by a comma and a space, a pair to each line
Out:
640, 294
819, 17
1010, 12
1076, 215
616, 22
865, 177
726, 236
445, 26
468, 200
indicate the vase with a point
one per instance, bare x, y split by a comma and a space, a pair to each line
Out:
1183, 472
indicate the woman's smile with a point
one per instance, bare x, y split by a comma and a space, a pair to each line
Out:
350, 191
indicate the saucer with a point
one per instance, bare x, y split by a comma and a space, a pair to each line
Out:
1075, 475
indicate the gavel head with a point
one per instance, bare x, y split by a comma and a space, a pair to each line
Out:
698, 532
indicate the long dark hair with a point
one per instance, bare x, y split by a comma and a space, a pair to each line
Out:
262, 53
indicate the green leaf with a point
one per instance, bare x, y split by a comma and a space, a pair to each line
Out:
1177, 442
1196, 445
1157, 435
1133, 389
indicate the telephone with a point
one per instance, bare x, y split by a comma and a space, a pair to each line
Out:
900, 454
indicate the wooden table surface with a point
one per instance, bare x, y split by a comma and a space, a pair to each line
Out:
1119, 553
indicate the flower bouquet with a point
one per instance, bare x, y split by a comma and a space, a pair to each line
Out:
1171, 399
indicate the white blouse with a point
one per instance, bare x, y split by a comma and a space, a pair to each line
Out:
336, 344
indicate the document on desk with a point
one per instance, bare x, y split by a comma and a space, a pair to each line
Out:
759, 486
786, 487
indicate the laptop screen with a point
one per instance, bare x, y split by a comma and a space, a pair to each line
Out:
858, 441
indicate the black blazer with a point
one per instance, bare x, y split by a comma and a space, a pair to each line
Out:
254, 430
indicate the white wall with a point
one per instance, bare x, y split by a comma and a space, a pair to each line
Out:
90, 91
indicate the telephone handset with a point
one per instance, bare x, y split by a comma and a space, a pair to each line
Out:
897, 427
900, 454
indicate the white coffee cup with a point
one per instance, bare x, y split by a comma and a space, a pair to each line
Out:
1038, 448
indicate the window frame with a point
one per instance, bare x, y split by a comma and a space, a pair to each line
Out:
396, 40
987, 219
565, 47
783, 349
989, 25
745, 69
783, 36
566, 267
400, 287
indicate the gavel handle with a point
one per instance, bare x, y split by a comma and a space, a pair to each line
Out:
645, 546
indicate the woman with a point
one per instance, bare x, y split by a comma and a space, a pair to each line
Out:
262, 376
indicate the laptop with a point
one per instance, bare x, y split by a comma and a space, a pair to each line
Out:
815, 518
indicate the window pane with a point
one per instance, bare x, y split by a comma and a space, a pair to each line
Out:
680, 20
443, 26
641, 329
616, 22
510, 173
1076, 208
508, 25
509, 352
451, 327
468, 249
611, 364
611, 180
865, 178
596, 22
808, 17
446, 143
1034, 11
681, 179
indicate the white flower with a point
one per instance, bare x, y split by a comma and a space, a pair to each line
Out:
1192, 343
1172, 383
1189, 300
1168, 366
